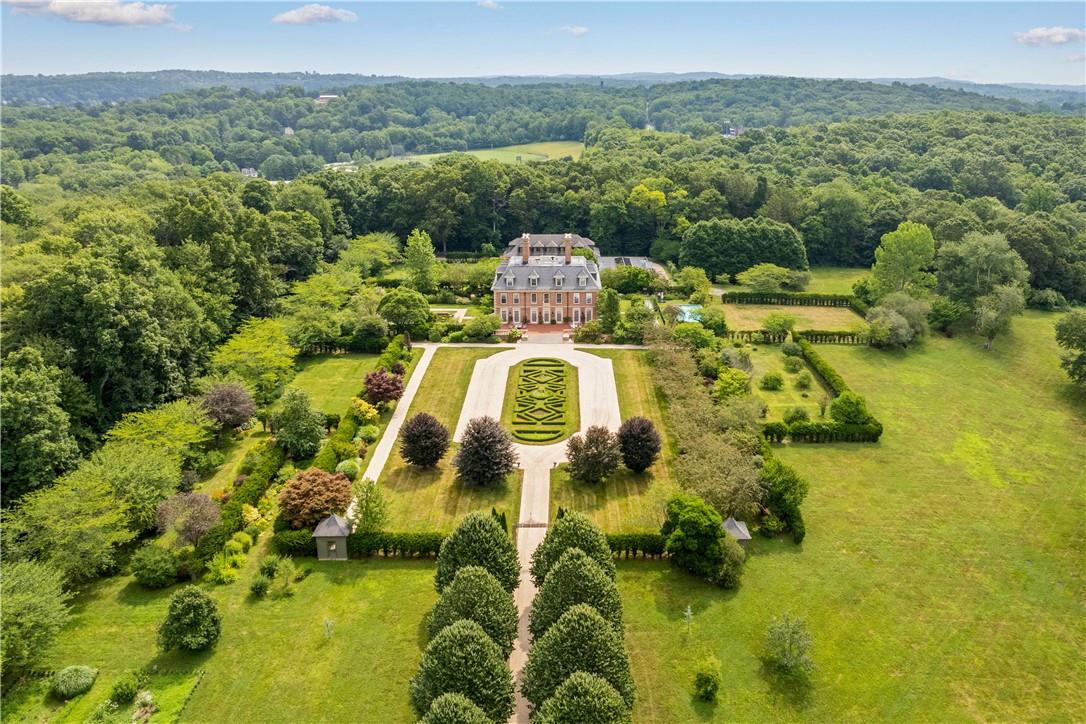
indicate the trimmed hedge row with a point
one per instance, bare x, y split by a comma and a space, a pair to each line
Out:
756, 335
363, 545
831, 336
345, 432
248, 493
821, 367
797, 299
828, 431
649, 544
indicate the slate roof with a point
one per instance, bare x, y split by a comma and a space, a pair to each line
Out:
541, 241
333, 526
737, 529
547, 268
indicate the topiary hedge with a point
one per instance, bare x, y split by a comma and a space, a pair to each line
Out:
574, 579
72, 681
462, 659
573, 530
649, 544
832, 336
476, 595
797, 299
821, 367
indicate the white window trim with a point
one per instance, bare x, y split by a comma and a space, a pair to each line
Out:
588, 314
558, 297
534, 316
576, 297
533, 298
576, 315
516, 316
558, 316
504, 298
588, 298
509, 281
505, 316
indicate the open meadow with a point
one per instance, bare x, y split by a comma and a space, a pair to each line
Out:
942, 573
521, 153
750, 316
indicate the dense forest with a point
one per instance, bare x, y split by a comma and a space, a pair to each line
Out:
110, 87
283, 132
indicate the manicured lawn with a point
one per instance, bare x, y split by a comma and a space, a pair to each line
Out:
433, 499
274, 662
942, 574
235, 454
768, 358
750, 316
626, 502
834, 279
542, 405
543, 151
332, 380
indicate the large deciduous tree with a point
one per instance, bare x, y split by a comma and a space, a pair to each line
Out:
584, 698
421, 262
299, 428
694, 538
406, 311
192, 622
973, 267
729, 246
260, 354
229, 404
901, 259
423, 440
486, 455
594, 456
993, 311
35, 610
314, 494
1071, 336
574, 579
639, 443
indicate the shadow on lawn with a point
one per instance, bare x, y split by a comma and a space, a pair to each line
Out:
792, 689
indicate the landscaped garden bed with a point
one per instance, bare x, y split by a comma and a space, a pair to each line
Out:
541, 401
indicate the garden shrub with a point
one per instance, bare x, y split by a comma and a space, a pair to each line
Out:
244, 539
850, 408
792, 364
771, 381
154, 566
835, 432
803, 380
775, 431
476, 595
313, 495
574, 579
581, 640
125, 688
709, 363
791, 349
369, 433
250, 492
629, 545
462, 659
639, 443
363, 412
593, 456
693, 335
299, 428
423, 440
260, 585
383, 388
348, 468
573, 530
584, 698
192, 621
478, 541
269, 565
72, 681
796, 414
234, 548
589, 333
697, 543
730, 382
486, 455
707, 679
454, 709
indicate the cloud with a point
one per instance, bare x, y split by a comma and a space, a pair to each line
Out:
101, 12
489, 5
313, 13
1056, 35
1075, 57
574, 30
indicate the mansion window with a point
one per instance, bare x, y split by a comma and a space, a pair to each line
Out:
576, 297
558, 297
535, 316
509, 281
505, 316
546, 298
504, 299
588, 314
516, 299
588, 298
533, 297
582, 281
533, 281
558, 280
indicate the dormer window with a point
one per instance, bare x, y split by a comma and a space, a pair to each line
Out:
509, 280
558, 279
582, 280
533, 280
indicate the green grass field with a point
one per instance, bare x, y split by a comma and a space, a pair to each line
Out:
768, 358
750, 316
332, 380
433, 499
835, 280
543, 151
558, 400
625, 502
942, 575
273, 663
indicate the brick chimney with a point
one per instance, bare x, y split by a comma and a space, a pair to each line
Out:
569, 247
526, 246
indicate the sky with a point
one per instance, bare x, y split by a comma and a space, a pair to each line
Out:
989, 42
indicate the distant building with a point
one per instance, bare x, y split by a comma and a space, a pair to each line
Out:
288, 131
540, 281
331, 537
323, 99
249, 172
737, 529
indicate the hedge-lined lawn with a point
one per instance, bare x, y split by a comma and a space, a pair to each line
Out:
942, 573
626, 502
750, 316
767, 358
427, 500
273, 662
542, 404
542, 151
835, 279
332, 380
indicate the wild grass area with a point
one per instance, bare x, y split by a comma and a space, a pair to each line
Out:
750, 316
625, 502
542, 151
542, 405
433, 499
275, 661
942, 573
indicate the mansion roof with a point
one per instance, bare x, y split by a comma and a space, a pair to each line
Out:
549, 272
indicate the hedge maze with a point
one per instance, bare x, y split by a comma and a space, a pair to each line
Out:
540, 411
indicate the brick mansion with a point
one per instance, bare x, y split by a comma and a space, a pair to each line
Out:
541, 281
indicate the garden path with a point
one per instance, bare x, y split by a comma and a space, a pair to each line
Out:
599, 406
392, 431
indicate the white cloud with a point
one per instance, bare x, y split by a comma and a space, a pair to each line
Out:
574, 30
102, 12
1056, 35
1075, 57
313, 13
489, 5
